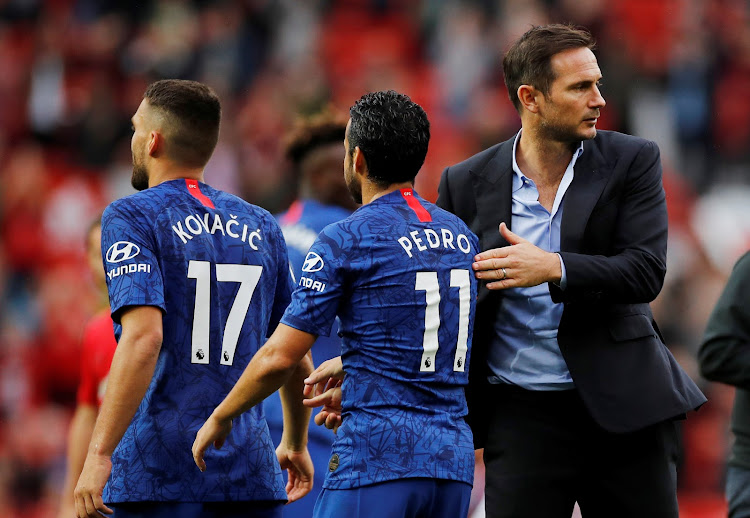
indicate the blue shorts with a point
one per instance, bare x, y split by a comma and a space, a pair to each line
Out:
198, 509
404, 498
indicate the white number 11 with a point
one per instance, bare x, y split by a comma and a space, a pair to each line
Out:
428, 282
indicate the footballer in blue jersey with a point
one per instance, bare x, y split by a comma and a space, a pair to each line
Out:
398, 273
220, 294
197, 279
313, 148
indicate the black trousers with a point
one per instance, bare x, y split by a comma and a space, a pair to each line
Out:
544, 452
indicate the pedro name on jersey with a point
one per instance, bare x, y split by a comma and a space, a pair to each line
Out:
416, 241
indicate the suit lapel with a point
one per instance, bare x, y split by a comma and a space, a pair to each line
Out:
590, 177
492, 190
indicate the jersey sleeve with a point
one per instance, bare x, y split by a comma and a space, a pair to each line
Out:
87, 387
133, 274
316, 298
283, 280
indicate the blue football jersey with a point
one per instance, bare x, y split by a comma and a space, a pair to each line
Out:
301, 225
218, 268
398, 274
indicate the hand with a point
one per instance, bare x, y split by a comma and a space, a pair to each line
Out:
330, 414
324, 384
521, 264
299, 468
215, 431
326, 376
88, 491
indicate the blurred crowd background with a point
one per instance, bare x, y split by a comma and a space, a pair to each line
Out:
72, 72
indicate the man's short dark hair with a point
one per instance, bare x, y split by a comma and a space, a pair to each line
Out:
193, 115
529, 60
393, 133
313, 132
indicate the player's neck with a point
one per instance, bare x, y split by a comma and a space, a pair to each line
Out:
164, 173
372, 191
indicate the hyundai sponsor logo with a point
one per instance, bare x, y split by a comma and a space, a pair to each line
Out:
122, 251
313, 263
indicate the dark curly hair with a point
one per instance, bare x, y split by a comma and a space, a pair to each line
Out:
313, 132
193, 115
529, 60
392, 132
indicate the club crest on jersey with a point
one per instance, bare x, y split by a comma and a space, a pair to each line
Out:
122, 251
333, 464
313, 263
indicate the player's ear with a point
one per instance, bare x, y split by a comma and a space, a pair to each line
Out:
359, 162
528, 95
155, 143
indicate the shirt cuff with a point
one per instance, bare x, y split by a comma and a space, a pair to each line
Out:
563, 278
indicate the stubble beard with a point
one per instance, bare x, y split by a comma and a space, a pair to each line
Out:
139, 180
564, 134
354, 187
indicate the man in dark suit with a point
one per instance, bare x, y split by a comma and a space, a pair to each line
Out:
724, 357
573, 394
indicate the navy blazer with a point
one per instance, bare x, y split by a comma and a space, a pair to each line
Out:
614, 244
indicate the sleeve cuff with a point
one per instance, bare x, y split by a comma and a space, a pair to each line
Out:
304, 326
563, 278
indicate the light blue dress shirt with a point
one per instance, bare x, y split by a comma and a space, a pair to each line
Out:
524, 350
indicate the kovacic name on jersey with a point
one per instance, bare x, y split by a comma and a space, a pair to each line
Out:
196, 224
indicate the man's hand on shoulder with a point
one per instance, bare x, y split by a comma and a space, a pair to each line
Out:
519, 265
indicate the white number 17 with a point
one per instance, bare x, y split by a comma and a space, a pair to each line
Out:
248, 276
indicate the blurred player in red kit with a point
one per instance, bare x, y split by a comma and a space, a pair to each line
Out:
97, 348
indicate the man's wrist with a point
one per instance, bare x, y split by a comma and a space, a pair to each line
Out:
297, 444
555, 268
221, 416
97, 450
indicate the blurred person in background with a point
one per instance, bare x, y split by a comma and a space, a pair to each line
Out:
197, 279
313, 148
98, 347
573, 394
724, 356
